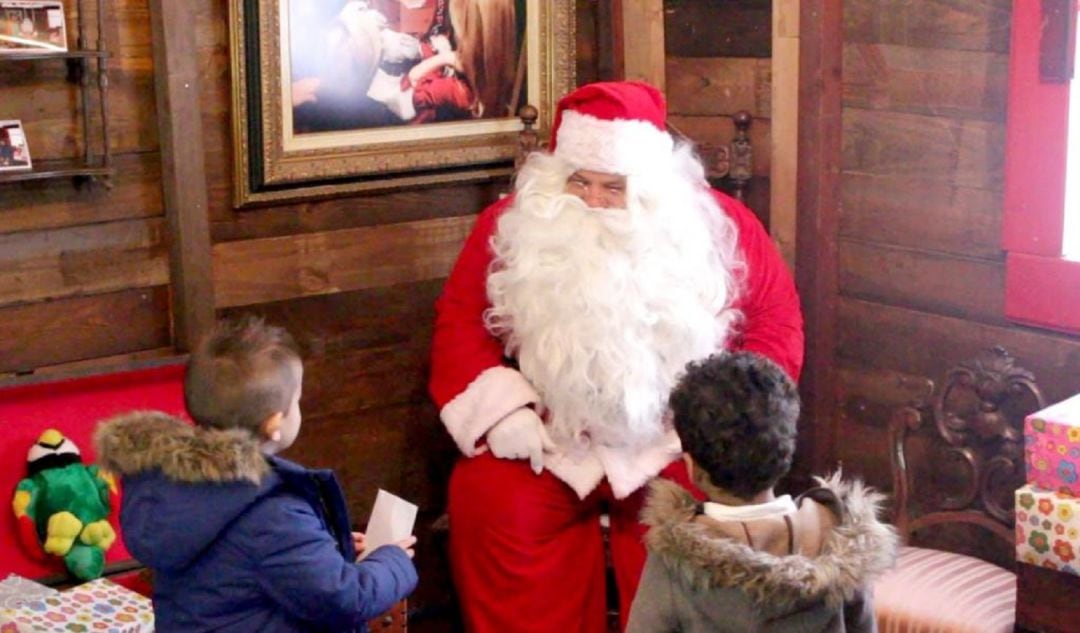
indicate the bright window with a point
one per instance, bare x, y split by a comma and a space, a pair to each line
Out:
1042, 285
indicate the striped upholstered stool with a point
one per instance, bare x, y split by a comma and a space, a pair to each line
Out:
931, 590
966, 462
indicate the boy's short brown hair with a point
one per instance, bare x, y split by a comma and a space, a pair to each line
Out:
241, 373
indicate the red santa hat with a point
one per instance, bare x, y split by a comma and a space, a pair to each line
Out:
616, 127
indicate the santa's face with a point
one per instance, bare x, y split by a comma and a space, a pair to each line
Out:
604, 298
597, 189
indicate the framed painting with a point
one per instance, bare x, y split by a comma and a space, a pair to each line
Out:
342, 96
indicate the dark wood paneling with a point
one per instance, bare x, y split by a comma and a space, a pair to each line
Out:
949, 151
117, 362
718, 86
369, 450
930, 281
866, 399
862, 453
819, 151
84, 327
921, 213
49, 108
334, 324
273, 269
88, 259
410, 205
757, 198
1045, 598
183, 173
720, 130
877, 336
869, 397
44, 204
947, 83
978, 25
587, 33
702, 28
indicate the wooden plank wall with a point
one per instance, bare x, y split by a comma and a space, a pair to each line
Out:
921, 270
84, 273
718, 62
74, 263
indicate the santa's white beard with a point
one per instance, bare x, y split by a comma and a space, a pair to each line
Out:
603, 308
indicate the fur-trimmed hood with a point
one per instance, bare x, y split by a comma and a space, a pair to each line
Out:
182, 484
856, 550
143, 441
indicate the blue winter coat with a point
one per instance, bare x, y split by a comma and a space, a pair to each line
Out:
238, 541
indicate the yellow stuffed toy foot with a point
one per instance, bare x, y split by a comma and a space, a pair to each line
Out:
62, 529
98, 533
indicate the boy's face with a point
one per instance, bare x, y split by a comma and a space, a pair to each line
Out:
290, 424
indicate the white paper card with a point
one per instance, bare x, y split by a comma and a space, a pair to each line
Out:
392, 520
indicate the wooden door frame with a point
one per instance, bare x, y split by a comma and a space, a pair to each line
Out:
183, 171
817, 223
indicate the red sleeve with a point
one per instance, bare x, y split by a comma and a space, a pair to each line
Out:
469, 381
772, 318
463, 347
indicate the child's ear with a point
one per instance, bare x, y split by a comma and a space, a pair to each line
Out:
698, 476
271, 427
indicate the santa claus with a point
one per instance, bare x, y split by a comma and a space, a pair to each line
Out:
572, 309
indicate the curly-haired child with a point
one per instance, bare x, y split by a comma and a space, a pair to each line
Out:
746, 559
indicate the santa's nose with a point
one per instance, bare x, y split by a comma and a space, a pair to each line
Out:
595, 196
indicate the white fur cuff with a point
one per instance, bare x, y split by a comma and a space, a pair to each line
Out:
494, 394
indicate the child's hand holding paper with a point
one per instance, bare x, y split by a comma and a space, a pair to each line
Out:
391, 523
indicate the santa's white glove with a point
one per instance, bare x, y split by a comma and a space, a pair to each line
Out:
520, 435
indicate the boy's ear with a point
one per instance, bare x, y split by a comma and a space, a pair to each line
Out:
689, 461
698, 476
271, 427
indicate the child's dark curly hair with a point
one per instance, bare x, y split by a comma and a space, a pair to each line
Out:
735, 414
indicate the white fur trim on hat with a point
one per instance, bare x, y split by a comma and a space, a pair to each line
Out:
620, 146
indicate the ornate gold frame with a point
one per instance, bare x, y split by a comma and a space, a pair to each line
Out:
272, 165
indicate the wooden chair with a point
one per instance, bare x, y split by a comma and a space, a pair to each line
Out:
953, 481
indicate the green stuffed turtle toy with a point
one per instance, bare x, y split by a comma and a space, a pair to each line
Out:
63, 506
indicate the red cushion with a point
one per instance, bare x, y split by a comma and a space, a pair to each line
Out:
73, 406
931, 591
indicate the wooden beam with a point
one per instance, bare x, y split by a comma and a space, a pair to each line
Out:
819, 127
640, 28
183, 177
306, 264
784, 140
82, 328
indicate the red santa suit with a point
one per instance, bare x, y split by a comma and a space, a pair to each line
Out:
516, 327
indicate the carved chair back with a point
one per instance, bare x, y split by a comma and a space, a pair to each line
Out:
959, 460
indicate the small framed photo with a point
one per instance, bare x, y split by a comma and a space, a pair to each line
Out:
32, 26
14, 151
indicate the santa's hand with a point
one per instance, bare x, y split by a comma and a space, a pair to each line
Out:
521, 435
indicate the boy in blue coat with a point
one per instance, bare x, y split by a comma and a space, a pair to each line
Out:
238, 539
